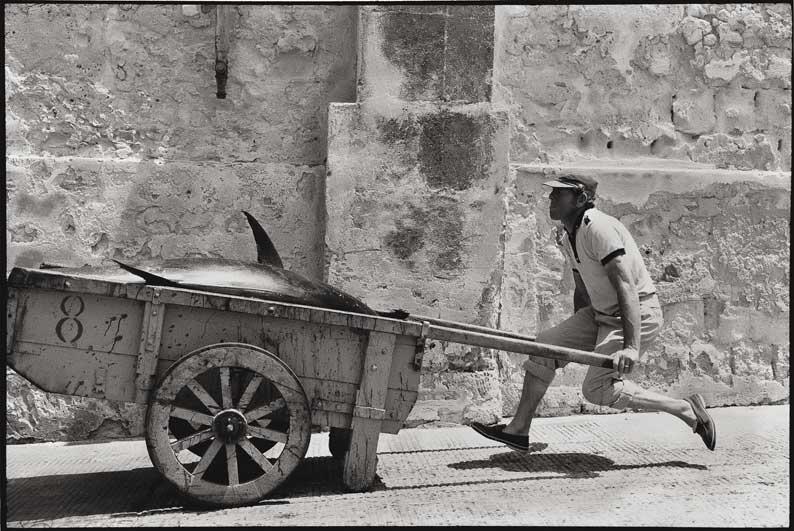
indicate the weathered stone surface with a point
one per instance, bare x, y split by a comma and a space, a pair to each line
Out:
589, 82
693, 112
736, 109
138, 81
457, 398
422, 197
412, 54
469, 58
83, 211
33, 415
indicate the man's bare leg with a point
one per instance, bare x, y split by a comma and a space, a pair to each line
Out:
531, 395
651, 401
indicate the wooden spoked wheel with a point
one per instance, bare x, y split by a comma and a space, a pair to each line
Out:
227, 424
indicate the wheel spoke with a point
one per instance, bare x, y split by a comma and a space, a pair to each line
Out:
231, 463
207, 458
264, 422
204, 396
192, 440
191, 416
255, 454
266, 433
226, 391
260, 412
248, 394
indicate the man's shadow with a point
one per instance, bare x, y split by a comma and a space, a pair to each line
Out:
570, 464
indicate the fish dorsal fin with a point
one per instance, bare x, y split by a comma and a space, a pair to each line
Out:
265, 250
150, 278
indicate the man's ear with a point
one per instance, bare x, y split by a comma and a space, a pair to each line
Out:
582, 199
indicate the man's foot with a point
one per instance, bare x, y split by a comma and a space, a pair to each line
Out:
496, 432
704, 425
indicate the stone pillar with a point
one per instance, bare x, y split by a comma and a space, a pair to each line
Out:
416, 177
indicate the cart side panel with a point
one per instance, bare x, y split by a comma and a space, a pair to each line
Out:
77, 344
327, 359
311, 350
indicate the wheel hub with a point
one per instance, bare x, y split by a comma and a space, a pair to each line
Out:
229, 425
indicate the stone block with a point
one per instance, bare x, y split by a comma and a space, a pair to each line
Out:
421, 192
746, 152
693, 111
695, 10
735, 110
694, 29
415, 212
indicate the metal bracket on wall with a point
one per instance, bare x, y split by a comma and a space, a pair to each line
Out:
223, 17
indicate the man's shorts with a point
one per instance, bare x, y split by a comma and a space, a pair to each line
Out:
592, 331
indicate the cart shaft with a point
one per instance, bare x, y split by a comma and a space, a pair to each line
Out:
470, 327
516, 345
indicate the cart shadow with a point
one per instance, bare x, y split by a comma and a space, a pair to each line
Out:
66, 495
570, 464
143, 491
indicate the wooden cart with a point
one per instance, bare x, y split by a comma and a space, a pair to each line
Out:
233, 385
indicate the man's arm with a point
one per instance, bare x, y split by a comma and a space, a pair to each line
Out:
580, 297
629, 303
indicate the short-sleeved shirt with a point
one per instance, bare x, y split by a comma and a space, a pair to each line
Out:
597, 239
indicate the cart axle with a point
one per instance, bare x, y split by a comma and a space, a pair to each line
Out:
230, 425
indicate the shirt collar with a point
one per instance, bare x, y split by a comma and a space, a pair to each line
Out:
579, 221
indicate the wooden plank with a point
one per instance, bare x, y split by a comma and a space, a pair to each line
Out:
361, 460
148, 352
11, 319
51, 279
75, 371
519, 346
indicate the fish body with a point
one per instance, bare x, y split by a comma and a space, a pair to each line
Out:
266, 279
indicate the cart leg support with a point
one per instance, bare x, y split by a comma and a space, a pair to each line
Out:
368, 413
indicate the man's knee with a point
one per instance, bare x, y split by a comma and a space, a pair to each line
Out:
541, 368
602, 391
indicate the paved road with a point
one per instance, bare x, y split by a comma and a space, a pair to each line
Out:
626, 469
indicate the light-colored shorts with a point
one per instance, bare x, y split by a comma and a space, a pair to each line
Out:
592, 331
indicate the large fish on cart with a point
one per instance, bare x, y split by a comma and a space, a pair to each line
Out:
266, 279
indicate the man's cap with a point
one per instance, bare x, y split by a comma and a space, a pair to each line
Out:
580, 182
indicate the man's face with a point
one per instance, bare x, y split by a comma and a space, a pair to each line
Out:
562, 202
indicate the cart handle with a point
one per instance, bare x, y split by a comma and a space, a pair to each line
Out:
517, 345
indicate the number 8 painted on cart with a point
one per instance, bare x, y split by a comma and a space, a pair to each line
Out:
71, 306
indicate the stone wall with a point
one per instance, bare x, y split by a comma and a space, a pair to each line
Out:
117, 147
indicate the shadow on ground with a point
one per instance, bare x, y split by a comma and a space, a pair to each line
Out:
570, 464
145, 491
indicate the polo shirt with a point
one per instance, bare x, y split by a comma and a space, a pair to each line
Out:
597, 239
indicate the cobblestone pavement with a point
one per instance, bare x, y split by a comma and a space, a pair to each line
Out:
626, 469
